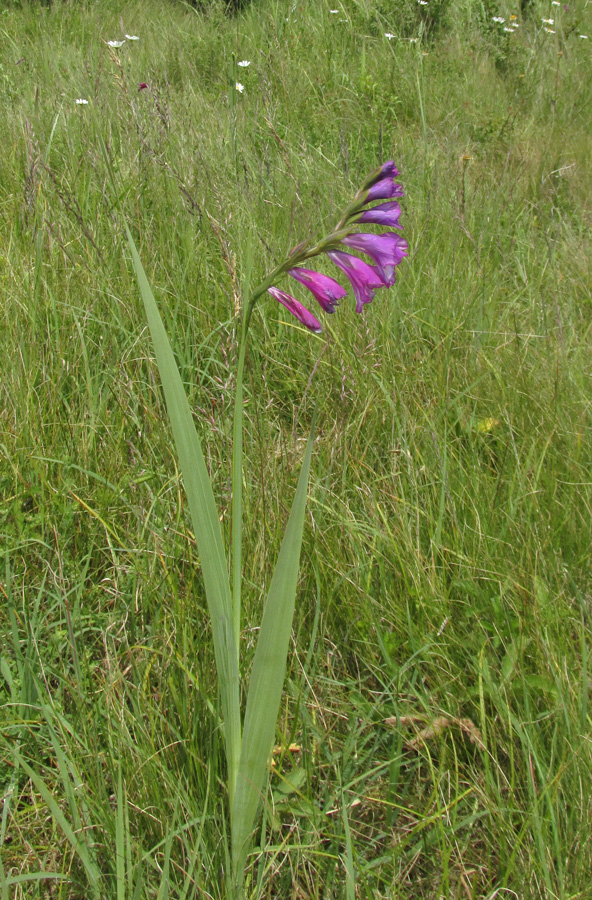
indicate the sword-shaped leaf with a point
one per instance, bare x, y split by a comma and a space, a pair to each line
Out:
267, 677
204, 516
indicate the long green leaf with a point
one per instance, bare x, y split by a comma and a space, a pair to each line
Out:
204, 515
267, 677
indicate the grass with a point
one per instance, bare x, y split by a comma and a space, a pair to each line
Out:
435, 732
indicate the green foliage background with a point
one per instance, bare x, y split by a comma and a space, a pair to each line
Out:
438, 686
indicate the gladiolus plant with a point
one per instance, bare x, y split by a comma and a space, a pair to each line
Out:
248, 739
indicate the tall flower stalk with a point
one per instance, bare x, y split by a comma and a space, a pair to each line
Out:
249, 741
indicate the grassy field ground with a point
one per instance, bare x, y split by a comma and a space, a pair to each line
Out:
435, 737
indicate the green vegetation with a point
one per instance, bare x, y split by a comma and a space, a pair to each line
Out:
434, 739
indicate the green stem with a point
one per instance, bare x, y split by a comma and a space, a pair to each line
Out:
237, 484
300, 253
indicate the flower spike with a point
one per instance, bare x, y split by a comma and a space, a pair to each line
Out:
386, 250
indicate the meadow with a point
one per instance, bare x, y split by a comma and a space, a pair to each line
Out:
435, 735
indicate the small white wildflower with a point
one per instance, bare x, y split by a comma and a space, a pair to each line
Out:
550, 31
132, 37
515, 24
511, 30
240, 87
548, 21
389, 36
413, 40
423, 2
115, 44
584, 37
499, 19
81, 102
555, 3
244, 63
333, 12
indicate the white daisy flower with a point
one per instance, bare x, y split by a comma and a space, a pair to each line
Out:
555, 3
548, 21
239, 87
244, 63
550, 31
389, 36
132, 37
423, 2
413, 40
499, 19
584, 37
333, 12
510, 30
115, 44
81, 102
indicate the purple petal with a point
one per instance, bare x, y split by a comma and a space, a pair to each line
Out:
383, 189
364, 279
297, 309
387, 251
384, 214
326, 290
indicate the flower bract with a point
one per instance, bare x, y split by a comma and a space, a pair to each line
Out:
297, 309
325, 289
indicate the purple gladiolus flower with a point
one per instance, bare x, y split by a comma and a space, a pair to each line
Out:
388, 169
387, 251
383, 189
326, 290
297, 309
365, 279
383, 214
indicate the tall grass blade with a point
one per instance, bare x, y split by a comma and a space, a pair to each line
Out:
204, 515
120, 856
267, 677
350, 878
60, 819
